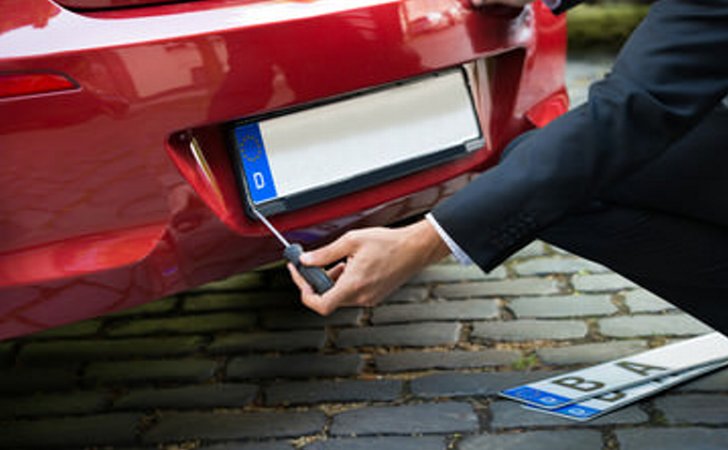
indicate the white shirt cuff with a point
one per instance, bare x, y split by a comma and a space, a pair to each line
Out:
455, 249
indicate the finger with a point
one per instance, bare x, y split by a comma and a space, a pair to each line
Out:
299, 281
339, 249
308, 297
345, 292
336, 271
325, 304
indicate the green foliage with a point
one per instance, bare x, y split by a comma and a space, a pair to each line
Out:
526, 362
604, 26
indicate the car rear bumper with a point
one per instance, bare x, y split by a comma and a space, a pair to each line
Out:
104, 206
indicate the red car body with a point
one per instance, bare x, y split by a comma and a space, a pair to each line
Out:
103, 207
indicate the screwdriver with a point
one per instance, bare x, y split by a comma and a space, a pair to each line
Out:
314, 276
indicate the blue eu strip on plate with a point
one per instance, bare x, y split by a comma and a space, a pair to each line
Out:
258, 176
535, 396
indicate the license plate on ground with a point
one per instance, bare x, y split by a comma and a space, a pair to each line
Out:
293, 160
597, 406
574, 387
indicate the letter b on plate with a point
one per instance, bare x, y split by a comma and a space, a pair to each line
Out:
579, 384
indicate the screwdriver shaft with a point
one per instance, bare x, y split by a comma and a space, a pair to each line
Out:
316, 277
272, 229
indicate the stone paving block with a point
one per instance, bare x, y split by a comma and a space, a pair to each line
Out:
295, 366
590, 353
189, 397
712, 382
78, 329
404, 361
381, 443
307, 319
662, 325
526, 330
7, 354
66, 403
276, 445
582, 72
607, 282
280, 278
125, 447
694, 408
559, 251
28, 380
536, 440
54, 352
332, 391
508, 414
451, 273
408, 294
673, 439
240, 300
122, 372
197, 324
549, 265
175, 426
414, 335
426, 418
282, 342
454, 384
450, 310
563, 306
449, 259
243, 281
535, 248
504, 288
640, 301
98, 430
160, 306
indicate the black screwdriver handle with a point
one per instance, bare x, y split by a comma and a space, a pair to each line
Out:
314, 276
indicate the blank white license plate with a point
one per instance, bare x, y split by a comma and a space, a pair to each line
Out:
304, 157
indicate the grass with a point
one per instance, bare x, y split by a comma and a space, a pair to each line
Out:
603, 27
526, 362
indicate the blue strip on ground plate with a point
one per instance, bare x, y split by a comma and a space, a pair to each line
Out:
535, 396
256, 169
577, 411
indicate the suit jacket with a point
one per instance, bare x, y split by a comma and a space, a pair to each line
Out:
562, 5
670, 74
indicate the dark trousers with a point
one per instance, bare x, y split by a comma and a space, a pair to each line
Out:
674, 247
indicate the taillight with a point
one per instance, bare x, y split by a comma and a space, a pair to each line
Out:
17, 84
108, 4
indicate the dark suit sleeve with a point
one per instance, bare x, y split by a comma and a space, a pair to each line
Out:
671, 72
564, 5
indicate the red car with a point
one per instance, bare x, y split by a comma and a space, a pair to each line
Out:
137, 135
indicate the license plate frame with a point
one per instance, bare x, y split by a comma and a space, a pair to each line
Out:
253, 143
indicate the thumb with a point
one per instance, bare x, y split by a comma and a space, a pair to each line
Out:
335, 251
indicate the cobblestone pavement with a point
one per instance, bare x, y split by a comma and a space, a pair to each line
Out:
238, 364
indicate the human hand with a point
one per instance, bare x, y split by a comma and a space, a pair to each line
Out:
512, 3
376, 262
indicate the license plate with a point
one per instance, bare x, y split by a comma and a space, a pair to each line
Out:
296, 159
598, 406
562, 390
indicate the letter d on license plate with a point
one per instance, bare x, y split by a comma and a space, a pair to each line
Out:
254, 159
